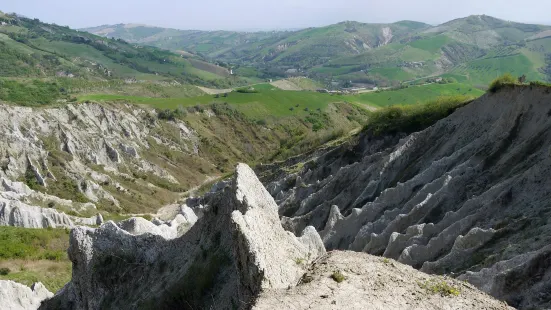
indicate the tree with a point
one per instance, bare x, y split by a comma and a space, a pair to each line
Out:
522, 79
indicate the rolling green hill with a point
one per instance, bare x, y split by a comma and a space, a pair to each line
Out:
473, 50
32, 49
207, 43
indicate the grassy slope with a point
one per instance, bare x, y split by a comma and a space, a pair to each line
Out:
483, 71
30, 48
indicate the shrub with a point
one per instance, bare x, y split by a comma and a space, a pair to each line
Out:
300, 261
53, 255
30, 93
249, 90
171, 115
505, 80
4, 271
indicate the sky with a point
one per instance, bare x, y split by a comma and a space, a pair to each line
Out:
249, 15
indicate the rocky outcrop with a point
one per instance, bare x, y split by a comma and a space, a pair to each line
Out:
84, 148
18, 214
371, 282
15, 296
468, 194
234, 251
14, 211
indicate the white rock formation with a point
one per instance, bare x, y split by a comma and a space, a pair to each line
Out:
15, 213
237, 249
18, 214
80, 141
169, 230
15, 296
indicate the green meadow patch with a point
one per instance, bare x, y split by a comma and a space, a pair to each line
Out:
269, 101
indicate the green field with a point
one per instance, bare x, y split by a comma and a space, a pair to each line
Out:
418, 94
270, 101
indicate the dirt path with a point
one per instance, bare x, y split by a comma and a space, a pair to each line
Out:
214, 91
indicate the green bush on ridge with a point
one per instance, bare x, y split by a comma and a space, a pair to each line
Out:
503, 81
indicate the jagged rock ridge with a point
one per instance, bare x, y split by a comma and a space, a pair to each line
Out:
468, 196
237, 249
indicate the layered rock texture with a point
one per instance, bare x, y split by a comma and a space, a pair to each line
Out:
468, 196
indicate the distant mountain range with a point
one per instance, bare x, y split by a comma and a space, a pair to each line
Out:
474, 49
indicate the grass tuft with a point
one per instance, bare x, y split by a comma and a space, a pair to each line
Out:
338, 276
300, 261
441, 287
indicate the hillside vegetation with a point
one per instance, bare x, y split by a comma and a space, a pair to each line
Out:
35, 255
32, 49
